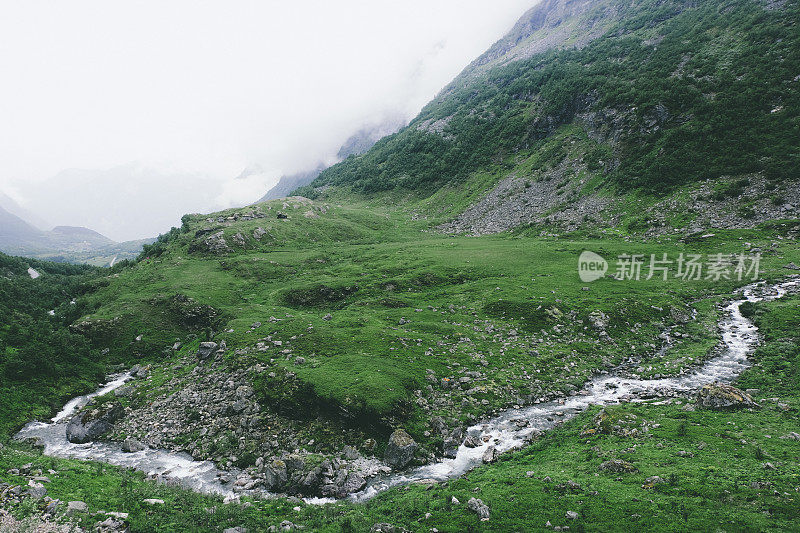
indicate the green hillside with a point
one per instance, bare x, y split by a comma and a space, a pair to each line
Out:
666, 93
432, 282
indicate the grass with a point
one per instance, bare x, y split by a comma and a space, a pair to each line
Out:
403, 303
712, 465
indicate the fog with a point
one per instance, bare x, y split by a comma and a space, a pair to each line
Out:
123, 116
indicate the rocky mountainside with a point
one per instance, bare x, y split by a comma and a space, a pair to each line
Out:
590, 107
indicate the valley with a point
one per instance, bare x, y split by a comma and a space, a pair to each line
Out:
408, 341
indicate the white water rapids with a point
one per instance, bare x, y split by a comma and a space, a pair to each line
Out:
509, 430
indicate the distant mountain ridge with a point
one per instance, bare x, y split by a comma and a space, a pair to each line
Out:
356, 144
72, 244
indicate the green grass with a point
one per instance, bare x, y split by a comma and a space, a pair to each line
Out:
712, 464
403, 302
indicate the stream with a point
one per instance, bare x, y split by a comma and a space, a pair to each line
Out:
509, 430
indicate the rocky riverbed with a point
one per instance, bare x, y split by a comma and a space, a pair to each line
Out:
363, 475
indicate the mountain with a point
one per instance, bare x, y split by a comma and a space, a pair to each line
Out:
289, 183
63, 243
356, 144
15, 233
370, 335
7, 203
120, 201
692, 106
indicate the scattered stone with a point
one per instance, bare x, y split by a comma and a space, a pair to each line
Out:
481, 509
618, 466
382, 527
131, 445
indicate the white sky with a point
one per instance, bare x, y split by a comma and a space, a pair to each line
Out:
191, 92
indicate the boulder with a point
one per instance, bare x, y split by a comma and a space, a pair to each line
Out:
206, 349
276, 475
354, 483
131, 445
153, 501
718, 396
618, 466
452, 442
400, 450
478, 507
490, 455
94, 421
76, 507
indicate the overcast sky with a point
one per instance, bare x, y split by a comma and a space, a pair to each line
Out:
178, 95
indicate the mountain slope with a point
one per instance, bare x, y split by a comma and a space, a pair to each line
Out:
356, 144
15, 233
598, 99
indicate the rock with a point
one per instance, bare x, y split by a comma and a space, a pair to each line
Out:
350, 453
216, 244
652, 481
354, 483
438, 425
490, 455
138, 371
76, 507
400, 450
572, 515
258, 233
792, 266
327, 317
481, 509
125, 391
131, 445
153, 501
237, 529
718, 397
791, 436
369, 445
110, 525
276, 475
299, 360
37, 491
206, 349
92, 422
452, 442
383, 527
618, 466
472, 441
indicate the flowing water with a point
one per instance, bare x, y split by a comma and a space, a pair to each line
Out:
508, 430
